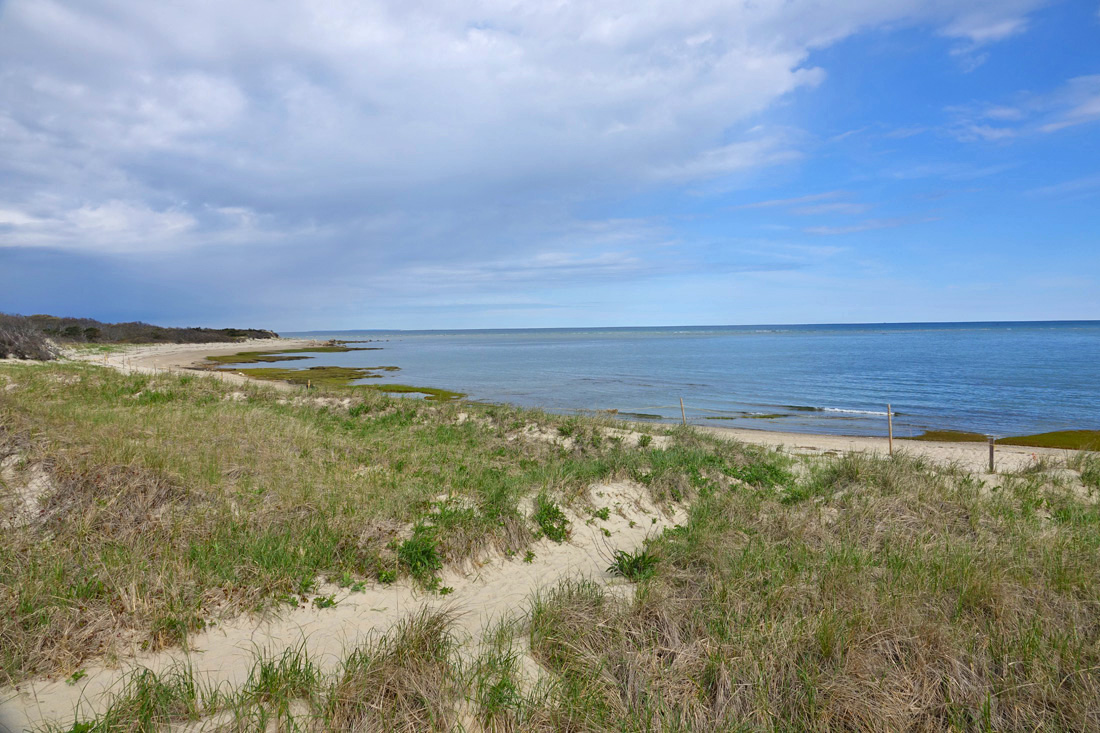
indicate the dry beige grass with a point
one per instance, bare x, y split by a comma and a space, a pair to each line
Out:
885, 595
406, 682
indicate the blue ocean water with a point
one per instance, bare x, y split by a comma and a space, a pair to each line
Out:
996, 378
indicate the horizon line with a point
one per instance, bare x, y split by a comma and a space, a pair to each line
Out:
698, 326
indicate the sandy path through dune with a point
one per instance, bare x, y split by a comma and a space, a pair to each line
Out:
498, 588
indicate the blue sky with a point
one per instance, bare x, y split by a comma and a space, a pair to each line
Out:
301, 165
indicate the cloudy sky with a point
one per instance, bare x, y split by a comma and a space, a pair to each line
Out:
493, 163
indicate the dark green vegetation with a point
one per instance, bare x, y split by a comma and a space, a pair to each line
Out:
749, 416
1067, 439
157, 496
87, 330
20, 339
636, 415
951, 436
333, 377
274, 355
430, 393
319, 376
1070, 439
634, 566
550, 519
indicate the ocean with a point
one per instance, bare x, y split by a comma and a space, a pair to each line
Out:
995, 378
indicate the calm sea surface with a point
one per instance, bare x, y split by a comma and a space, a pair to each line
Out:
998, 378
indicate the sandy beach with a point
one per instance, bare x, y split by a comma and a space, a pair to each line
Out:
154, 358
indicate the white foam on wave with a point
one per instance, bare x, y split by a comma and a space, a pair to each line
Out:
855, 412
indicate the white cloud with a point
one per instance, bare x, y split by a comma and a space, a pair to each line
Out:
730, 158
770, 203
1075, 102
115, 226
1078, 103
141, 126
863, 226
1077, 187
837, 207
987, 27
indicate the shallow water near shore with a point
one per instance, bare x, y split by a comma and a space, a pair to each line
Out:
995, 378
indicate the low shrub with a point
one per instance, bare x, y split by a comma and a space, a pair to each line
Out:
19, 339
550, 519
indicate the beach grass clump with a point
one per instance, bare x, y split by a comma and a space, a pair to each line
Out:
495, 684
408, 681
1087, 465
635, 566
420, 554
152, 701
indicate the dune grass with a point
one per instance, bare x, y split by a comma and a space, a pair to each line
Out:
889, 596
405, 680
165, 500
827, 593
873, 594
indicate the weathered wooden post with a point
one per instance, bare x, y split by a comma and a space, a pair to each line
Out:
683, 415
890, 424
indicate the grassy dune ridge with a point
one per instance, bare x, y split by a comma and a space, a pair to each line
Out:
165, 499
801, 593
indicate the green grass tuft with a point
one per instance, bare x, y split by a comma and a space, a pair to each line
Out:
635, 566
420, 554
550, 519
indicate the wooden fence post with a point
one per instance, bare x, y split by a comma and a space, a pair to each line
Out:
890, 422
683, 415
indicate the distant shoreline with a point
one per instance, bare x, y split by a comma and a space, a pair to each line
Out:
167, 357
704, 327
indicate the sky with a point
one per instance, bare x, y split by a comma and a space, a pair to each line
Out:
303, 165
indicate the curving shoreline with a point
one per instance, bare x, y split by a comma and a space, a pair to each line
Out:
969, 455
